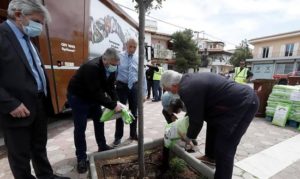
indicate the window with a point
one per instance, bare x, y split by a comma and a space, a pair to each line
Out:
289, 48
284, 68
298, 66
265, 53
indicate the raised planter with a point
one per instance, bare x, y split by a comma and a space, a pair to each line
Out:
133, 149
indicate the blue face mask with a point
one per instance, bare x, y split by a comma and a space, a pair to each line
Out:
33, 29
112, 68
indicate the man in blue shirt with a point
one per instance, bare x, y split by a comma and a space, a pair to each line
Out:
127, 90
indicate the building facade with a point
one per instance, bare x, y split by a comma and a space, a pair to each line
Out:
275, 54
158, 46
217, 59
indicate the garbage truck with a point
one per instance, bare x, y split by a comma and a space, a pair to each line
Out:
79, 31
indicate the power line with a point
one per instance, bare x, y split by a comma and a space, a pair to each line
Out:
204, 33
220, 39
153, 17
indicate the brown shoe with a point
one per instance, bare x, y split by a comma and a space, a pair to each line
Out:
207, 160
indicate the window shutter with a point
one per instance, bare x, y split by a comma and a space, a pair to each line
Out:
296, 46
282, 50
260, 51
270, 52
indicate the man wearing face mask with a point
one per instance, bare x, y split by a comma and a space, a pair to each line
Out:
90, 88
24, 90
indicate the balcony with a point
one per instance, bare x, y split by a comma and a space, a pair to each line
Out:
163, 54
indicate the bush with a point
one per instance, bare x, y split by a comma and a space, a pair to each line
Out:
177, 166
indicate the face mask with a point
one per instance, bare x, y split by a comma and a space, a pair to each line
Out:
112, 68
33, 29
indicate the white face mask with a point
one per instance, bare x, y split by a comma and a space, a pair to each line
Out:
33, 29
112, 68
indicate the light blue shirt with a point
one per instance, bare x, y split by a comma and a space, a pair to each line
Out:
23, 43
123, 70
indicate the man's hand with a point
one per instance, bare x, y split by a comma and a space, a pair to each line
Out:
20, 112
189, 146
118, 107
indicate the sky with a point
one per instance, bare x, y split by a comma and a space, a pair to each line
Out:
230, 21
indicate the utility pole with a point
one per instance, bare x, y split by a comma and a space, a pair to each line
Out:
199, 32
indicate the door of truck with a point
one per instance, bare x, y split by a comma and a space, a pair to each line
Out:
64, 45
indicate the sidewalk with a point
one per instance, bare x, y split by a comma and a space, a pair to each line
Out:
260, 136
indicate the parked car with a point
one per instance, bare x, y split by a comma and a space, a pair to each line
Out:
282, 79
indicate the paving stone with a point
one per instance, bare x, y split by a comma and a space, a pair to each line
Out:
64, 169
70, 139
259, 134
57, 157
247, 145
248, 176
237, 171
266, 142
52, 148
236, 177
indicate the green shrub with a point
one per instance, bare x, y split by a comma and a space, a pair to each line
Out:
177, 165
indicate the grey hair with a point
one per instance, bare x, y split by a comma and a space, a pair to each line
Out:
131, 40
111, 54
27, 7
170, 78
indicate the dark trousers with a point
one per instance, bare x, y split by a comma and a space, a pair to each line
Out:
225, 145
210, 141
29, 143
125, 94
80, 110
157, 91
149, 88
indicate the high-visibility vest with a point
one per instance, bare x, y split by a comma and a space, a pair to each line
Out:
157, 74
240, 76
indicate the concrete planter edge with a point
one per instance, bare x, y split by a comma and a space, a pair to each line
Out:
128, 150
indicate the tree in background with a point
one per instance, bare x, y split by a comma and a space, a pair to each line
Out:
186, 51
148, 4
242, 52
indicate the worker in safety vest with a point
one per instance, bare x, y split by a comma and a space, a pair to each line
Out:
157, 91
242, 73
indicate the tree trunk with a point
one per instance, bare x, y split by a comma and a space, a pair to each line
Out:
140, 87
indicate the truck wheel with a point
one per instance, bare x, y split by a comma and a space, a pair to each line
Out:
282, 82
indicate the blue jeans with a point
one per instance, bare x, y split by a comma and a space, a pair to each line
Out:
157, 90
125, 94
81, 109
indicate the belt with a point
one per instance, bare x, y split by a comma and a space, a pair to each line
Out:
125, 84
40, 94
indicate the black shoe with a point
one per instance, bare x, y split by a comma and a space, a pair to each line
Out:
117, 142
106, 147
59, 177
82, 166
194, 141
134, 138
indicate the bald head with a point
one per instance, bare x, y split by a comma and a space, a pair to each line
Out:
131, 45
